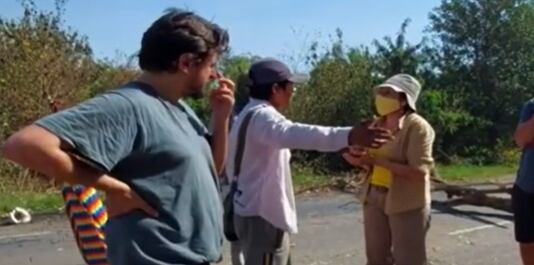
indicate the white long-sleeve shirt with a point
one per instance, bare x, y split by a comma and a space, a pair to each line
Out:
265, 187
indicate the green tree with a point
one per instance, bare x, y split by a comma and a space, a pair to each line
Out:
398, 55
41, 62
236, 68
483, 56
337, 94
111, 73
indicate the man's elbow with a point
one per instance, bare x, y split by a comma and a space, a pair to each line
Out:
521, 139
15, 147
524, 133
519, 143
25, 144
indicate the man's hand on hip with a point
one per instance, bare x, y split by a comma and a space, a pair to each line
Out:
123, 202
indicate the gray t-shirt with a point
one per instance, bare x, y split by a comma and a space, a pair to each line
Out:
525, 175
161, 150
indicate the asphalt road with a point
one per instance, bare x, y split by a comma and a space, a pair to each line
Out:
330, 233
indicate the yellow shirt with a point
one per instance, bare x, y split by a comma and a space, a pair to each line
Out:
381, 176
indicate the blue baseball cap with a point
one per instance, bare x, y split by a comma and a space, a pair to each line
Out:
270, 71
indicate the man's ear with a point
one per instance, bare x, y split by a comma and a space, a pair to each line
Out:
275, 88
185, 62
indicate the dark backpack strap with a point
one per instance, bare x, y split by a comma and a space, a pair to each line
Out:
241, 138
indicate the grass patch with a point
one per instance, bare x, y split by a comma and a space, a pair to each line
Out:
473, 173
305, 178
37, 202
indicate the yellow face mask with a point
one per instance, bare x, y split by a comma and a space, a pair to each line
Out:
385, 105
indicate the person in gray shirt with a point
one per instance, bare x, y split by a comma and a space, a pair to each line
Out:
146, 149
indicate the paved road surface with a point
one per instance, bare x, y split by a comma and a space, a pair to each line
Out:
330, 233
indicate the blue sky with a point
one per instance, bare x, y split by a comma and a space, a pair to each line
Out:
267, 28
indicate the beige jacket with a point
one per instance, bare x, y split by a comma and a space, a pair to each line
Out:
412, 146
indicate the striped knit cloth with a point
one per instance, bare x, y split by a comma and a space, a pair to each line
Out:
87, 216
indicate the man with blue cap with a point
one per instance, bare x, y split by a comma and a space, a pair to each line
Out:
259, 156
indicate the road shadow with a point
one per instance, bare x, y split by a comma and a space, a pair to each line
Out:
479, 214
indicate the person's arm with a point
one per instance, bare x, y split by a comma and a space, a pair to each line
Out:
222, 102
37, 149
274, 129
524, 133
354, 154
100, 131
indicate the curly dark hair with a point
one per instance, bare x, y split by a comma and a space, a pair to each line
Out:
179, 32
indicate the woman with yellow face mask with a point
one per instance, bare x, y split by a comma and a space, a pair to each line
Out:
396, 195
